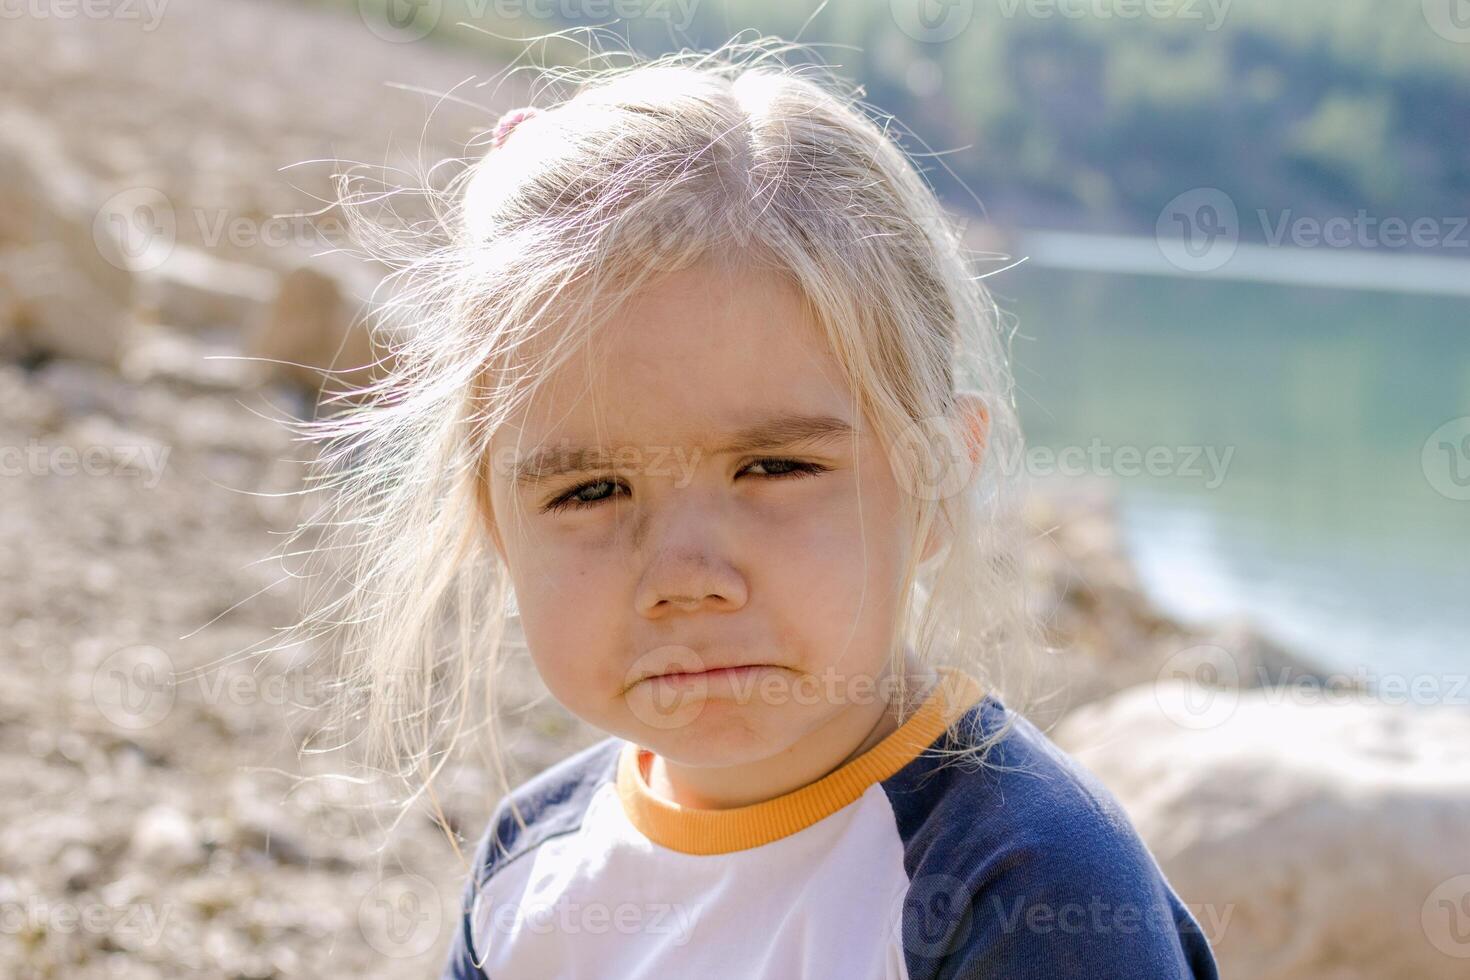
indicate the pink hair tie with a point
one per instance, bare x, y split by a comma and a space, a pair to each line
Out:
510, 121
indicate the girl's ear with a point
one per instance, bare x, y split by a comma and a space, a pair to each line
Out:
973, 423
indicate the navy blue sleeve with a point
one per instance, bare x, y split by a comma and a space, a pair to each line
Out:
1030, 870
459, 963
1086, 901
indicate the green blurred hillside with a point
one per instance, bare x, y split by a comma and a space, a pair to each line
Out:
1081, 121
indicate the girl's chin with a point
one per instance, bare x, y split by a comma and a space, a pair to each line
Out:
714, 746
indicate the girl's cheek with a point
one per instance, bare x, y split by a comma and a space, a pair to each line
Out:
819, 531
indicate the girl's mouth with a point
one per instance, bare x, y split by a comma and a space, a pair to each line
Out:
742, 672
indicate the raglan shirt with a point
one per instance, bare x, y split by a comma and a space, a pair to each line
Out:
897, 865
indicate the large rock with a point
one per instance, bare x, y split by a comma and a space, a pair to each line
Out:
316, 333
63, 253
195, 290
1314, 834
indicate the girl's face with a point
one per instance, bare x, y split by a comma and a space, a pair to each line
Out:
707, 499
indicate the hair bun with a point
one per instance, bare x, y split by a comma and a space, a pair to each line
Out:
510, 121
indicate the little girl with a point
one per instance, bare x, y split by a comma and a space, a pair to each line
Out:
701, 379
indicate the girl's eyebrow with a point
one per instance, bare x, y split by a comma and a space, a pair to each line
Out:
774, 432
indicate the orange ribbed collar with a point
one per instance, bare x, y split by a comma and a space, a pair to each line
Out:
704, 831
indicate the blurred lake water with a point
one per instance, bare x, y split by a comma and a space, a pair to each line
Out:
1310, 445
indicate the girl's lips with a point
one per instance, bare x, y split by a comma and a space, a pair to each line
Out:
717, 673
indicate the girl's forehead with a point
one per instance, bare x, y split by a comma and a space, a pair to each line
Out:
730, 424
697, 353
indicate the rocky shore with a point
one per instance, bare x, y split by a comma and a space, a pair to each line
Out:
1317, 830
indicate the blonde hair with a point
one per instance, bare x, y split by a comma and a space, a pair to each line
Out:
732, 155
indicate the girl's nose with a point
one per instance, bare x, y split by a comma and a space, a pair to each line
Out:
688, 553
690, 583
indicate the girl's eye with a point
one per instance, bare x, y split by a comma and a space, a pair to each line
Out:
576, 499
796, 467
594, 492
